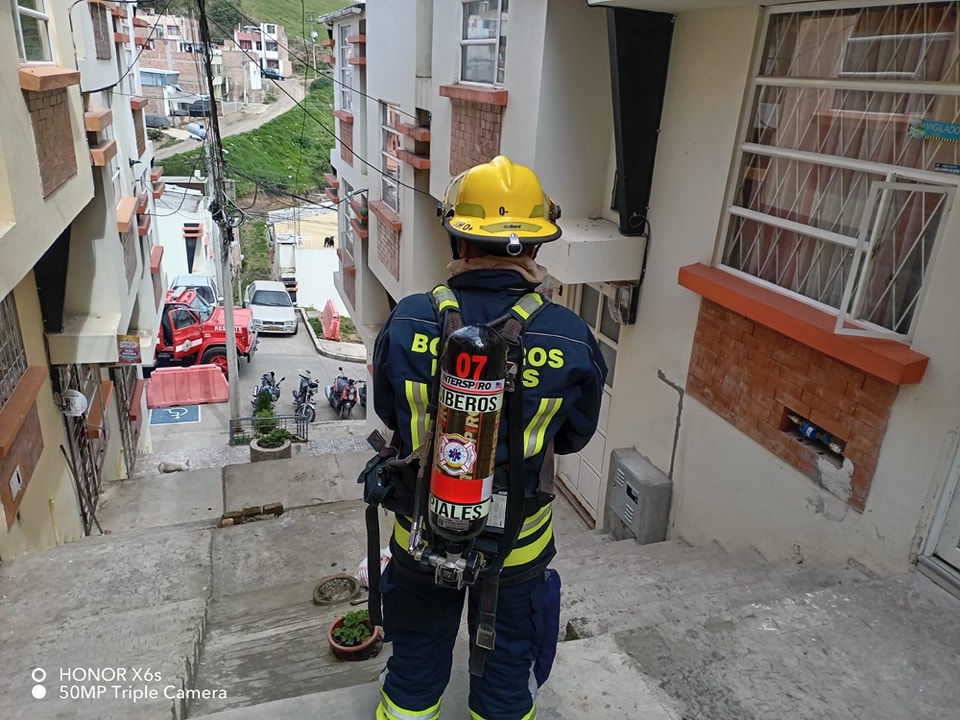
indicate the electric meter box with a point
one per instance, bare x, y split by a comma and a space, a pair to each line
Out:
638, 498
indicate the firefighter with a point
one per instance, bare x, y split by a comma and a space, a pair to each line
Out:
497, 216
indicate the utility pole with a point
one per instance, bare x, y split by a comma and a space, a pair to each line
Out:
218, 208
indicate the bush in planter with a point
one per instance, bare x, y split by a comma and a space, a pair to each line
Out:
264, 421
355, 629
275, 438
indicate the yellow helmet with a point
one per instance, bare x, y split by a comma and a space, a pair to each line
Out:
499, 206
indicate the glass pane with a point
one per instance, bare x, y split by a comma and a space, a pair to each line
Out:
857, 124
897, 42
904, 242
388, 191
36, 41
480, 20
608, 326
478, 63
610, 358
346, 99
31, 4
589, 304
391, 168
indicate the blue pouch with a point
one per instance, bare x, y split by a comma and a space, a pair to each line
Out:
551, 626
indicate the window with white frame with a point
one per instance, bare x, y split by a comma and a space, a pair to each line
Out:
345, 52
483, 41
13, 354
33, 30
591, 305
391, 141
843, 185
346, 229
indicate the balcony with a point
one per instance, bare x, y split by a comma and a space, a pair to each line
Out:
592, 250
85, 339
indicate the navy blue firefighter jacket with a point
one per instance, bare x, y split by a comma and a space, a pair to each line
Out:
563, 372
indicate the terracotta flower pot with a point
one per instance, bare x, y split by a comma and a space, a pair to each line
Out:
368, 649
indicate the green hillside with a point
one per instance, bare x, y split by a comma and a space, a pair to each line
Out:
289, 13
273, 152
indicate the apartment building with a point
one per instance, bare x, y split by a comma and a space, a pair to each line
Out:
758, 201
268, 43
80, 276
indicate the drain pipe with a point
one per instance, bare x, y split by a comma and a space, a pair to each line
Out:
676, 430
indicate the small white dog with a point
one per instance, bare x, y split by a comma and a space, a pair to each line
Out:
172, 467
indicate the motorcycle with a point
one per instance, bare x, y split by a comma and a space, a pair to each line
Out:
269, 386
341, 394
306, 408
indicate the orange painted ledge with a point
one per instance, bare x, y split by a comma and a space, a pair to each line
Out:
156, 173
138, 103
40, 78
329, 42
331, 180
417, 161
358, 228
332, 194
156, 256
886, 359
471, 93
420, 134
97, 120
126, 209
385, 214
357, 39
343, 115
357, 60
18, 406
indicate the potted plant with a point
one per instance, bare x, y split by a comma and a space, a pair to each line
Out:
273, 445
352, 637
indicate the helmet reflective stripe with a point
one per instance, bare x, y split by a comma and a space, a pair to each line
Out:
499, 205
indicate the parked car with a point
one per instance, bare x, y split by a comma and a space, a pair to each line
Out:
205, 286
272, 308
271, 73
159, 122
199, 108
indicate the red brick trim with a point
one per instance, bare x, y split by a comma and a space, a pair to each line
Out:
332, 194
887, 359
420, 134
356, 39
470, 93
417, 161
360, 230
156, 173
331, 180
97, 120
385, 214
121, 38
357, 60
40, 78
138, 103
343, 116
329, 42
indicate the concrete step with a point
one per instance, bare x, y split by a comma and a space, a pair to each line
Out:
667, 551
271, 644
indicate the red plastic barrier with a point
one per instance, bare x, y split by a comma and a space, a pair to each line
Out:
330, 322
187, 386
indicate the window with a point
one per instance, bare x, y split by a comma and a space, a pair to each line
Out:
837, 198
271, 46
173, 31
592, 306
483, 42
182, 319
33, 31
13, 355
346, 230
271, 29
391, 141
345, 50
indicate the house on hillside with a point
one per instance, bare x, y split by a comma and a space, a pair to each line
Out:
267, 42
758, 201
82, 272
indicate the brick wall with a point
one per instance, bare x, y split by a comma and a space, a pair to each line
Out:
102, 31
350, 285
388, 248
139, 129
751, 376
346, 141
53, 135
474, 134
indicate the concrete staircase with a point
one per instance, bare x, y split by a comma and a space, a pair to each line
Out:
659, 631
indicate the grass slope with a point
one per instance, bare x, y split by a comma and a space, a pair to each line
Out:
289, 13
272, 152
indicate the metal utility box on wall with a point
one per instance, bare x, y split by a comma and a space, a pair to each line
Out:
638, 498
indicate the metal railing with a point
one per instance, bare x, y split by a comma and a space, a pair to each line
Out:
245, 429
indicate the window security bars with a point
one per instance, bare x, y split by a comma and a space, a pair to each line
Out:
13, 354
843, 185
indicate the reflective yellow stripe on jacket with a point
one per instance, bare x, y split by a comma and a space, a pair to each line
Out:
417, 395
535, 536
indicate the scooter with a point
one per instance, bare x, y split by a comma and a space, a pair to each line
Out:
341, 394
362, 392
306, 407
269, 385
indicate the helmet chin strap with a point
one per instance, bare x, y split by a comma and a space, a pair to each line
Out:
514, 246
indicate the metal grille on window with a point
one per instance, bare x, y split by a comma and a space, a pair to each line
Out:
124, 382
86, 454
13, 354
846, 121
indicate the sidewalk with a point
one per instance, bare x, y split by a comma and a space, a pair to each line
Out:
348, 352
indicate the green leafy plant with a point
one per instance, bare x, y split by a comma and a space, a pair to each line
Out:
355, 629
275, 438
264, 421
241, 439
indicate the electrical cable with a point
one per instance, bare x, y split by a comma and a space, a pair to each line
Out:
331, 132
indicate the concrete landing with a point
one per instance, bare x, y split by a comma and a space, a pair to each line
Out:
162, 500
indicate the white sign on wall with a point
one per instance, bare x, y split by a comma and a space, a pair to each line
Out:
16, 483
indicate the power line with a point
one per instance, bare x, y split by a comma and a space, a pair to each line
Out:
336, 137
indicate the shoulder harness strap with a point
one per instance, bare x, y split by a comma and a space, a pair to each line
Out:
447, 307
521, 314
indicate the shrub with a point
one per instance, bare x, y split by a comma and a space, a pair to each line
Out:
275, 438
354, 630
264, 421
